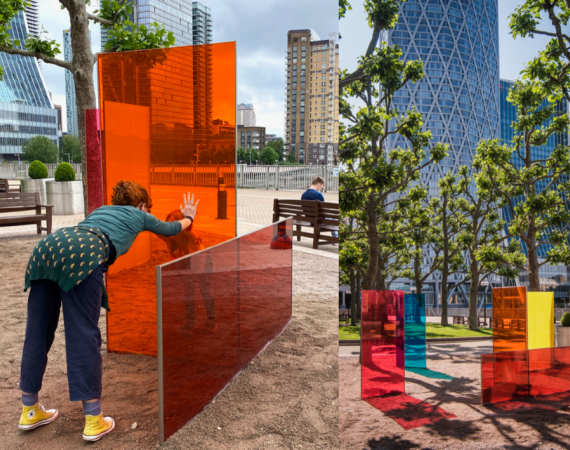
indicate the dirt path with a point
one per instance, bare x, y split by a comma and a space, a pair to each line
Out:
288, 398
476, 427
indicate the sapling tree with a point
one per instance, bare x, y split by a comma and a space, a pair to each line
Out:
372, 172
533, 186
123, 34
477, 208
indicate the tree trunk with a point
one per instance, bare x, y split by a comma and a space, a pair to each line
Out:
353, 302
474, 289
444, 292
533, 269
418, 275
370, 280
82, 76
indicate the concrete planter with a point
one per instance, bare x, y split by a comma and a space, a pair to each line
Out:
562, 336
30, 185
66, 197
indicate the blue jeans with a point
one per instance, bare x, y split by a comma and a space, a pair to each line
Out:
81, 311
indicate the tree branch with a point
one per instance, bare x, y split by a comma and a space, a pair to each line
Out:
48, 59
98, 19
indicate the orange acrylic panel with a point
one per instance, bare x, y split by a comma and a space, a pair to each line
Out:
189, 95
509, 319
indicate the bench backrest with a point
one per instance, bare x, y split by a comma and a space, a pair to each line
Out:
17, 201
328, 213
298, 209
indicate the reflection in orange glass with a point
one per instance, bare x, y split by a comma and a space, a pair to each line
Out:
220, 308
509, 319
185, 144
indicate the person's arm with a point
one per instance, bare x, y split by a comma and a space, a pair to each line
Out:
189, 210
321, 197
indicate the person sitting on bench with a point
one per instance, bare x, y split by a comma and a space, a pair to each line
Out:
314, 193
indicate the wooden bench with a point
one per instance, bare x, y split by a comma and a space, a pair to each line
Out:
316, 217
343, 315
6, 187
15, 202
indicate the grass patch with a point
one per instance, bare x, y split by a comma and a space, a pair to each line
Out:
433, 330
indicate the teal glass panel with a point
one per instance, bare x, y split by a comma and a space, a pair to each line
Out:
415, 330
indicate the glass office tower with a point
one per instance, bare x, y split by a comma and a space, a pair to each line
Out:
508, 113
191, 22
26, 109
458, 42
459, 95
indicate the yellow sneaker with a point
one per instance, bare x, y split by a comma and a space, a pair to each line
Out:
97, 426
36, 416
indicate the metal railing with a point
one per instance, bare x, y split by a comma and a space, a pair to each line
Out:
285, 177
192, 174
17, 171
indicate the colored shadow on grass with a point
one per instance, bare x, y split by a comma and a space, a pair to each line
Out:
409, 412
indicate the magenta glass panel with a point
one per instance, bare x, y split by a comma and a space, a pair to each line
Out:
514, 375
382, 328
218, 309
94, 168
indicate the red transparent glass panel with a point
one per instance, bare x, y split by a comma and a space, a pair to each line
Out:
167, 120
265, 283
94, 163
549, 370
504, 376
382, 327
220, 308
509, 319
200, 331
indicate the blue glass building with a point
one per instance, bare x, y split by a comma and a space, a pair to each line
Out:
26, 109
459, 96
508, 113
458, 42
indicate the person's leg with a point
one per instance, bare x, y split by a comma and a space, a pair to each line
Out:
81, 311
43, 315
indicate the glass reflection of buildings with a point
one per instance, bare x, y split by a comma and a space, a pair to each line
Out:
195, 138
550, 275
26, 109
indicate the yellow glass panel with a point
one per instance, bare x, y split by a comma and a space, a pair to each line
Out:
540, 319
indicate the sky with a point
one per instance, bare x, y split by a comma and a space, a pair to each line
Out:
258, 26
513, 54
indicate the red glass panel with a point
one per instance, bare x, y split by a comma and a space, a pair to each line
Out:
509, 319
94, 163
220, 308
549, 370
167, 119
382, 343
200, 331
265, 283
504, 376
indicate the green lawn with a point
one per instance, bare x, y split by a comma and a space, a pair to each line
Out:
433, 330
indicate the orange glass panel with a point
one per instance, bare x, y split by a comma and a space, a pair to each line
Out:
509, 319
186, 143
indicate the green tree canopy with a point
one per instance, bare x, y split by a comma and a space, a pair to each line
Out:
70, 149
268, 156
291, 157
534, 186
40, 148
277, 145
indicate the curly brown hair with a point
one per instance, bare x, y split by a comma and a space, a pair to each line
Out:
130, 193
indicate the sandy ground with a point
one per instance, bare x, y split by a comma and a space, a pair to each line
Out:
476, 427
287, 398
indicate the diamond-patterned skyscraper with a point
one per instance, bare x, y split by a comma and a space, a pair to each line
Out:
459, 95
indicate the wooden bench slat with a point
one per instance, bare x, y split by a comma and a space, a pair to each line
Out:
15, 202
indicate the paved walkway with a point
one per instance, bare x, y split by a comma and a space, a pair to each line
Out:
254, 210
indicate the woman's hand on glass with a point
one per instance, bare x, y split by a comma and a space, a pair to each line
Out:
189, 208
